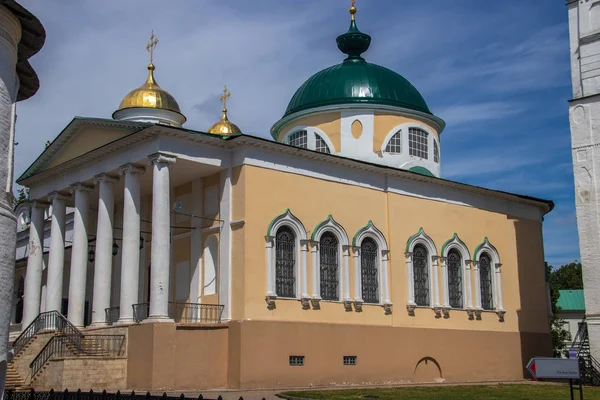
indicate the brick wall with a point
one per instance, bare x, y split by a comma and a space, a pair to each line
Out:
83, 373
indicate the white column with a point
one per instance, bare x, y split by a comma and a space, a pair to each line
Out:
270, 275
477, 285
161, 238
130, 251
305, 298
79, 254
225, 237
435, 284
56, 258
357, 275
445, 282
498, 281
104, 242
346, 275
468, 287
387, 302
316, 278
411, 280
35, 263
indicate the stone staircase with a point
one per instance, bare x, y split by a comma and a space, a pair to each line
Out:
18, 373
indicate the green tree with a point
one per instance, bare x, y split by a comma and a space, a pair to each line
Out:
23, 196
568, 276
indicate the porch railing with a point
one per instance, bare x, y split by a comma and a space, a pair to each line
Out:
111, 315
46, 321
183, 312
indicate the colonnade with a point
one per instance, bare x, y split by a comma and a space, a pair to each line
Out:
130, 253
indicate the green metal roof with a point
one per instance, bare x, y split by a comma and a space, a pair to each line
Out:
421, 170
571, 300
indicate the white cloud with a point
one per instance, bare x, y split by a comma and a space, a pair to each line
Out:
459, 114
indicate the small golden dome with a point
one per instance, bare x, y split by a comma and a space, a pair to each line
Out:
224, 127
150, 95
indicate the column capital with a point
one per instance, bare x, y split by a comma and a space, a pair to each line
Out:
160, 158
131, 169
105, 178
39, 204
58, 196
80, 187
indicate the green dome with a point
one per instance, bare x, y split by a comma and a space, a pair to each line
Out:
357, 81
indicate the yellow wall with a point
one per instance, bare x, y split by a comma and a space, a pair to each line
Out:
269, 193
385, 122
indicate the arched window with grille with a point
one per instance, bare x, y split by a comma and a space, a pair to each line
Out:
329, 267
369, 271
285, 262
455, 278
485, 281
321, 145
436, 151
394, 146
420, 259
417, 143
299, 139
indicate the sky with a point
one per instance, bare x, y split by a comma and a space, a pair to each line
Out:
497, 72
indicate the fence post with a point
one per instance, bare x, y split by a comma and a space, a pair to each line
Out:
9, 394
148, 395
132, 395
200, 397
118, 394
51, 396
164, 396
104, 394
31, 394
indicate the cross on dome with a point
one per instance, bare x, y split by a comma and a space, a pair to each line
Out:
151, 46
223, 98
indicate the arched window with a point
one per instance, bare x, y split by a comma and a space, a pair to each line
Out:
417, 143
285, 262
436, 151
369, 271
421, 275
321, 145
485, 281
299, 139
329, 255
394, 146
455, 284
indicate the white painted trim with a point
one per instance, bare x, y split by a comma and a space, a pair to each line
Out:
423, 239
370, 231
457, 244
311, 140
487, 247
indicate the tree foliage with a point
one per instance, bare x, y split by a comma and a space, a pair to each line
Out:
23, 196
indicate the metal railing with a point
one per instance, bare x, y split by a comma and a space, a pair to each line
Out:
112, 314
183, 312
91, 395
75, 345
46, 321
589, 367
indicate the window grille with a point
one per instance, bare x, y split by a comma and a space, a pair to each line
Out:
485, 281
417, 143
349, 360
299, 139
296, 361
421, 275
329, 253
285, 262
436, 151
369, 272
321, 145
454, 265
394, 146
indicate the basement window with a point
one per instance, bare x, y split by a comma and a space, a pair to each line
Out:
349, 360
296, 361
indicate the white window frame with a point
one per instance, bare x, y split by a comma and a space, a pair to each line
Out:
332, 226
487, 247
434, 301
457, 244
289, 220
439, 155
372, 232
310, 137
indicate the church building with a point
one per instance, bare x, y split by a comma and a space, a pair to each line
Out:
159, 257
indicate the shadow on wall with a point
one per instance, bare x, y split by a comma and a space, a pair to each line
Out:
428, 370
3, 367
533, 322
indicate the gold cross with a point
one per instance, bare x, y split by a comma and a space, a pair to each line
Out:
352, 9
151, 46
223, 98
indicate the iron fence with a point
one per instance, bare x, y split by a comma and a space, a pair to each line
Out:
46, 321
183, 312
112, 314
75, 345
91, 395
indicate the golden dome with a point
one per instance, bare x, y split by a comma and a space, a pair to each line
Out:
224, 127
150, 95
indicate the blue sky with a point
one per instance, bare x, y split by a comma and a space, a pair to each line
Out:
497, 72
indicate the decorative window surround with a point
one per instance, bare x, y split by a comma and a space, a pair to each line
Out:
287, 219
330, 225
455, 243
487, 247
311, 139
371, 231
421, 238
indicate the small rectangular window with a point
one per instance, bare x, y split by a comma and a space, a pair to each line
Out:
296, 361
349, 360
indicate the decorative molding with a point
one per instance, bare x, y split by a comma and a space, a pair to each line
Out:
289, 217
370, 230
446, 311
501, 314
161, 158
305, 301
270, 299
438, 311
358, 305
80, 187
315, 302
131, 169
58, 196
348, 305
387, 307
104, 178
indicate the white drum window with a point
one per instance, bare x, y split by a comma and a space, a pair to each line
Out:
417, 143
299, 139
436, 151
394, 146
321, 145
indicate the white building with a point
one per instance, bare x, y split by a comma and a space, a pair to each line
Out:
584, 111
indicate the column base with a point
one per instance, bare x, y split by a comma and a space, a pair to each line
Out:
97, 325
125, 321
158, 319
